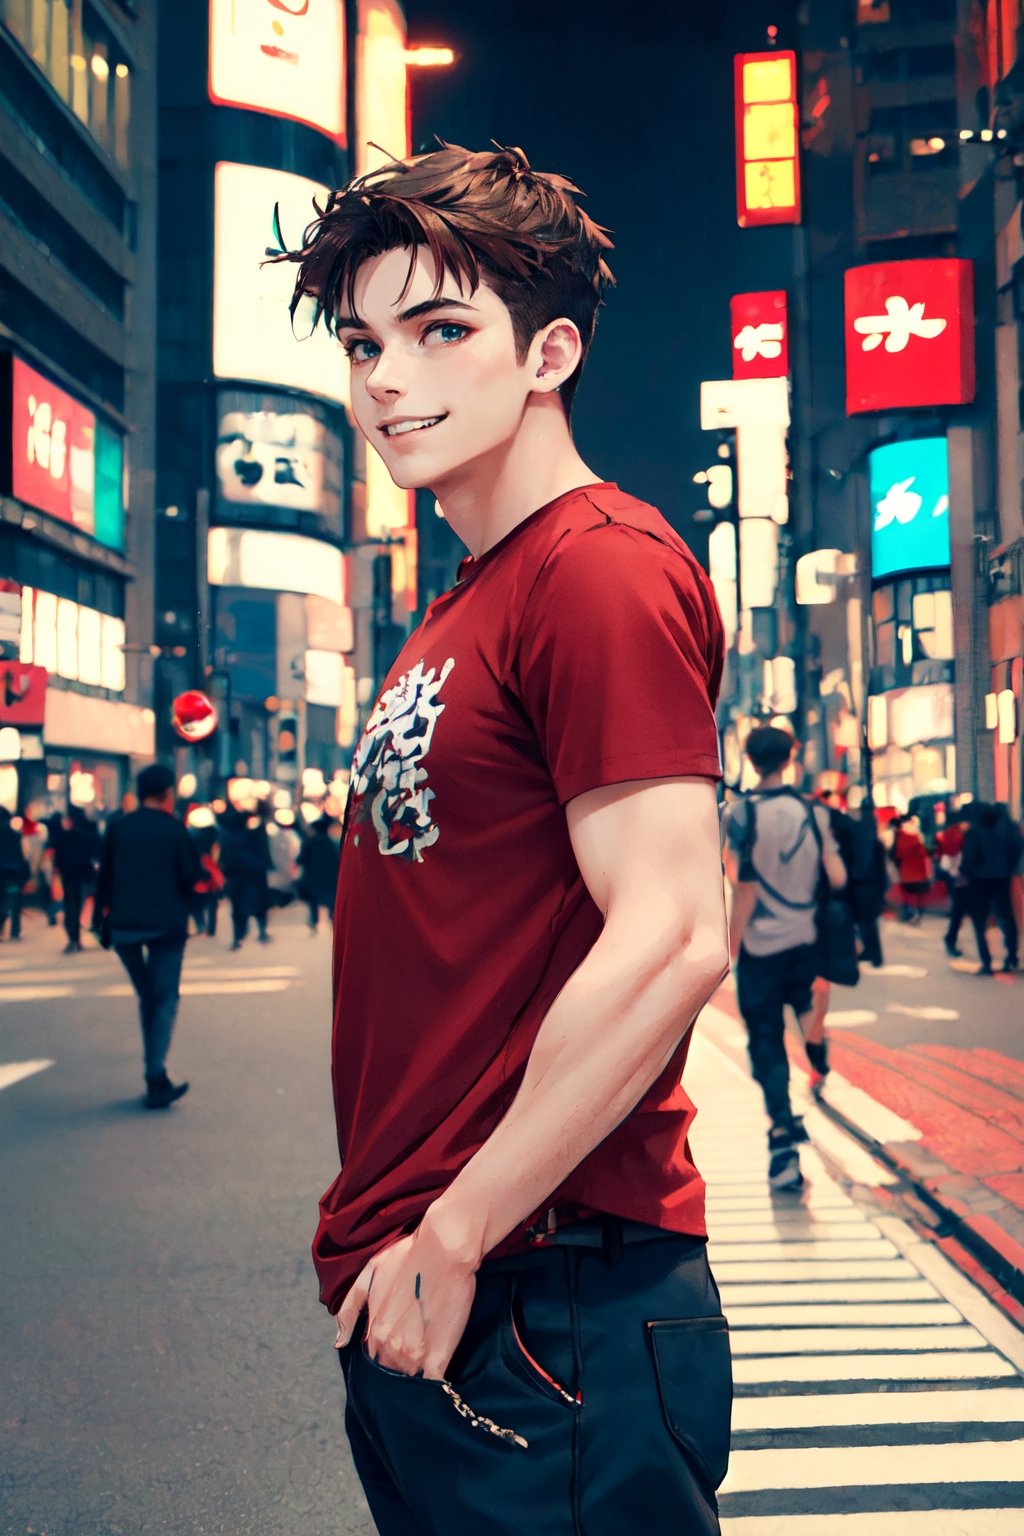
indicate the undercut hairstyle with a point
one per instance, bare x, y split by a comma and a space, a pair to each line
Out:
154, 782
484, 216
769, 749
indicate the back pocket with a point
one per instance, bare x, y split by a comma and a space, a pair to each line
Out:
693, 1367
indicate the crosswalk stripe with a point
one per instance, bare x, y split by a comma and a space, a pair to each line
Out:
15, 1071
798, 1341
795, 1249
758, 1267
913, 1522
818, 1410
207, 988
842, 1314
972, 1365
864, 1466
795, 1229
838, 1290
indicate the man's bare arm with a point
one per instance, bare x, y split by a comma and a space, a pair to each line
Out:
649, 855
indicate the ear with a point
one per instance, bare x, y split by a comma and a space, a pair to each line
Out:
554, 355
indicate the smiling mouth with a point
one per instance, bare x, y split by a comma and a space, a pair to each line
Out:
421, 424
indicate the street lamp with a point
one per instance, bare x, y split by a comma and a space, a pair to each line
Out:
429, 58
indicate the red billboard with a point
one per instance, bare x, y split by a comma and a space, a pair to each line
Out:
909, 334
53, 448
22, 693
760, 335
767, 139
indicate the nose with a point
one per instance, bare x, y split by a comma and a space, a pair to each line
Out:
386, 380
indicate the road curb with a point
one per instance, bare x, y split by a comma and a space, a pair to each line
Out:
982, 1222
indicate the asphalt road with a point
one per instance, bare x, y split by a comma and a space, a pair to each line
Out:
167, 1367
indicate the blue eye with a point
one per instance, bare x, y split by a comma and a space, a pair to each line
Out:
357, 351
447, 332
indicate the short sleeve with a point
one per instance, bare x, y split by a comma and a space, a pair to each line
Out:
619, 662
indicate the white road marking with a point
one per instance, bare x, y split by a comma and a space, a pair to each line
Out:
912, 972
840, 1314
992, 1405
849, 1018
868, 1466
797, 1228
232, 973
882, 1124
973, 1365
813, 1269
910, 1522
939, 1015
830, 1251
840, 1289
796, 1341
32, 994
208, 988
15, 1071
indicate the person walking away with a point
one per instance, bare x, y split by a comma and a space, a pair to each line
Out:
148, 873
778, 843
318, 859
913, 867
75, 855
284, 844
992, 849
949, 845
245, 860
208, 892
14, 871
864, 858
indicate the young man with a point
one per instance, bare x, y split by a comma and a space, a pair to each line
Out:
778, 842
530, 909
148, 873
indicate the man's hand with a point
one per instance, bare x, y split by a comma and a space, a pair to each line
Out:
418, 1297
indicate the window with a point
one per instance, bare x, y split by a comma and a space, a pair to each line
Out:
912, 138
933, 625
83, 62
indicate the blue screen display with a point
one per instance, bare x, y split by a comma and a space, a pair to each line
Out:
909, 487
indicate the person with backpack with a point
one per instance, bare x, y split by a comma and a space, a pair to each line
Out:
14, 871
778, 844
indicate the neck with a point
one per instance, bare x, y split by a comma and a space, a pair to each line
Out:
772, 780
484, 500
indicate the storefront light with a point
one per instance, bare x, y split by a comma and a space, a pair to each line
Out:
1007, 717
186, 786
10, 744
991, 711
878, 723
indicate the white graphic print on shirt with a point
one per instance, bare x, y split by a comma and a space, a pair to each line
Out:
388, 774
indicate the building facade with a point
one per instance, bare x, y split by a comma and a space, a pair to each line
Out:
77, 398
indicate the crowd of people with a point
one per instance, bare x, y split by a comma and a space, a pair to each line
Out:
257, 861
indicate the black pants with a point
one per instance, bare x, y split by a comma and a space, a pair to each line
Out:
615, 1370
10, 906
959, 906
74, 900
314, 904
764, 986
154, 968
988, 896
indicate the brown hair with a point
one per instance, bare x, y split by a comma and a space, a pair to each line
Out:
483, 216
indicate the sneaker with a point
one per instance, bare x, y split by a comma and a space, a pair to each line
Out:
161, 1092
783, 1159
951, 948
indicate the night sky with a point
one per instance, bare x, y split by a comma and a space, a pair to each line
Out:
634, 103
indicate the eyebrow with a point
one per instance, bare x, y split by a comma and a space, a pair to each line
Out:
353, 323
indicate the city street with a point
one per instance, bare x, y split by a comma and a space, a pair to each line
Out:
167, 1366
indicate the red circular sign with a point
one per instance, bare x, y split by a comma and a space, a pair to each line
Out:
193, 715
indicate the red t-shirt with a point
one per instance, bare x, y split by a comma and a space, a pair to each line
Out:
584, 649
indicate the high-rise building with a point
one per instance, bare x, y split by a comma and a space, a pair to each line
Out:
77, 354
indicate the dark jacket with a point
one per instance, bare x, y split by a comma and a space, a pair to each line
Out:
13, 863
319, 857
148, 873
992, 846
77, 849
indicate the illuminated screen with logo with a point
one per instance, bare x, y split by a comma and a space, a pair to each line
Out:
909, 487
64, 461
253, 337
277, 453
285, 57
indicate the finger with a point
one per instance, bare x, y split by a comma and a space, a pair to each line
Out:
351, 1307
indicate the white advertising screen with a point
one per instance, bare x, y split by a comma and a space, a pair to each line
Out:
285, 57
275, 562
253, 337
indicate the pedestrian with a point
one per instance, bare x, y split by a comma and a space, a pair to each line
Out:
778, 844
76, 856
949, 845
530, 910
992, 850
318, 859
14, 871
245, 861
864, 859
913, 867
147, 876
284, 845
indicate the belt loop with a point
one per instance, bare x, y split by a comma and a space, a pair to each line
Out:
612, 1245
